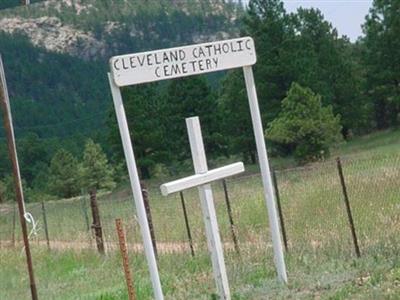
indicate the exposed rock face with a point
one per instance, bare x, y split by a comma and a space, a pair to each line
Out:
51, 34
80, 34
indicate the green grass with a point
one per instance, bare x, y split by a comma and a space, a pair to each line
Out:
321, 261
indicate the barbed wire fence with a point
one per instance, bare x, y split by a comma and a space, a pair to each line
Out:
312, 202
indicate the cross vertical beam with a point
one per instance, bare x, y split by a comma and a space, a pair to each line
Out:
265, 173
207, 206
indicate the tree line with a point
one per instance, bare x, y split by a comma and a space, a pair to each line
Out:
315, 88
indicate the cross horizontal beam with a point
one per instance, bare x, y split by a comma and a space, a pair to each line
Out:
200, 179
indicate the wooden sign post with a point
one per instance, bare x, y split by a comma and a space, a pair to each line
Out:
202, 180
12, 151
184, 61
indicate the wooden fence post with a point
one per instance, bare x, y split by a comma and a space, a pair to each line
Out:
146, 203
232, 225
348, 209
278, 201
125, 261
187, 223
96, 221
46, 230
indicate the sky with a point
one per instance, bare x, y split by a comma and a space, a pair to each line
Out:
345, 15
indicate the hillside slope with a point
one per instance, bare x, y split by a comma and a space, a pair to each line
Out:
56, 52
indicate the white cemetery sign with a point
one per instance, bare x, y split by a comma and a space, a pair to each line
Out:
179, 62
182, 61
202, 180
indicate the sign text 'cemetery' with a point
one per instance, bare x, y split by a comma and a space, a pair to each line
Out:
182, 61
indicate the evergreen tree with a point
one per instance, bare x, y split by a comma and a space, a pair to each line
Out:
326, 63
146, 113
64, 175
270, 26
188, 97
96, 173
8, 189
33, 156
235, 117
304, 125
382, 60
2, 192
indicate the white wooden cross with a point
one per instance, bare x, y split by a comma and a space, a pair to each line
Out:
202, 180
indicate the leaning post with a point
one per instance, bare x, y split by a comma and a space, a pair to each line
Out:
136, 189
125, 260
46, 230
12, 151
13, 226
146, 202
265, 173
187, 223
229, 209
278, 201
348, 209
98, 231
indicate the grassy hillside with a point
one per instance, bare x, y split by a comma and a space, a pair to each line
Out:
321, 261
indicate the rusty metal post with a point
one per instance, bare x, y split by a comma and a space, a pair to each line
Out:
13, 226
146, 202
348, 209
12, 151
278, 202
96, 221
125, 261
46, 230
187, 223
229, 209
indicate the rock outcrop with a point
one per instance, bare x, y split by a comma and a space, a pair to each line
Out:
51, 34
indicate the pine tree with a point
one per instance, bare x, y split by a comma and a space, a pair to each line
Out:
146, 113
2, 192
236, 126
96, 174
64, 175
304, 125
382, 60
188, 97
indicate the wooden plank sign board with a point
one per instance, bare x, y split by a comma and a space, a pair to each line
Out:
182, 61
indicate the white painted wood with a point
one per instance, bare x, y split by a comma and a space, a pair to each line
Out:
201, 179
207, 206
136, 189
265, 174
182, 61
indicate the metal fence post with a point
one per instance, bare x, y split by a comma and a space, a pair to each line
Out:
348, 209
13, 226
46, 230
125, 261
146, 202
187, 223
278, 201
232, 225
